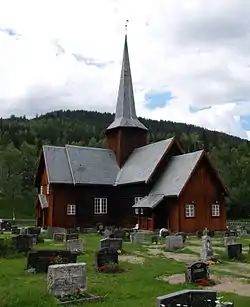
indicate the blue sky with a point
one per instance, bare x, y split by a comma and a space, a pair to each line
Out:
160, 99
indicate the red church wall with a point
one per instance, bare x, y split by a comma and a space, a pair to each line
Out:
124, 141
203, 189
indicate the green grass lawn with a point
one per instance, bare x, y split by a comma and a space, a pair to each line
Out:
137, 286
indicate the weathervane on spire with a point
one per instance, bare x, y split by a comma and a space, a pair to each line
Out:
126, 26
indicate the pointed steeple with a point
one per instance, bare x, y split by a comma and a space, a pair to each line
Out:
125, 109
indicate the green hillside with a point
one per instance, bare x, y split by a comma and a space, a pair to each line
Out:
21, 140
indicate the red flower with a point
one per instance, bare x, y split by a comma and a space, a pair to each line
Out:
78, 290
202, 282
103, 268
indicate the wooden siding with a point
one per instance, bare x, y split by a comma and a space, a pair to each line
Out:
124, 141
46, 215
203, 189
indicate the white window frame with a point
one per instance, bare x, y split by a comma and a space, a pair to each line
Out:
190, 210
215, 210
100, 205
137, 198
71, 209
41, 189
47, 189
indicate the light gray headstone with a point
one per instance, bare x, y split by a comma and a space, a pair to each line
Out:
75, 246
206, 249
51, 230
137, 237
174, 243
65, 279
230, 240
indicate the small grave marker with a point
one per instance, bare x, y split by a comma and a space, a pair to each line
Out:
234, 250
58, 237
106, 256
34, 230
137, 237
174, 243
15, 230
197, 270
75, 246
51, 230
72, 236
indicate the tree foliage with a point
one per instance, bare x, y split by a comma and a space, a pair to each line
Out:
21, 141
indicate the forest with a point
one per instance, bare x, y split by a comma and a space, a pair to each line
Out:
21, 140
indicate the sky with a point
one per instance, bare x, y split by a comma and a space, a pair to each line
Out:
190, 60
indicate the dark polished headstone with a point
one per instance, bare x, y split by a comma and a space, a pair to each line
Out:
39, 261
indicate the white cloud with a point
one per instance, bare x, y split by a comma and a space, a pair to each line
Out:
198, 50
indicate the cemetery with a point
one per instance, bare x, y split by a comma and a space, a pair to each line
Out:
62, 267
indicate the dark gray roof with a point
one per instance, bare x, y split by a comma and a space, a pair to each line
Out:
149, 201
125, 109
142, 162
176, 174
43, 201
92, 165
57, 165
80, 165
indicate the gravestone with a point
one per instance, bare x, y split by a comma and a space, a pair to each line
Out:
34, 231
51, 230
229, 240
195, 271
234, 250
112, 243
64, 279
243, 233
137, 237
174, 243
33, 238
72, 236
188, 298
183, 234
104, 243
106, 233
118, 234
39, 261
59, 237
22, 243
75, 246
23, 231
15, 230
206, 249
154, 239
72, 230
105, 256
115, 243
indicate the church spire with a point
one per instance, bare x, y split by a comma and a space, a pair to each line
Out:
126, 133
125, 108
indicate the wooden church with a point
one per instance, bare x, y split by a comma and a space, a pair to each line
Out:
156, 185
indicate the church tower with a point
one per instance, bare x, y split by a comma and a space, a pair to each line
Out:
126, 132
